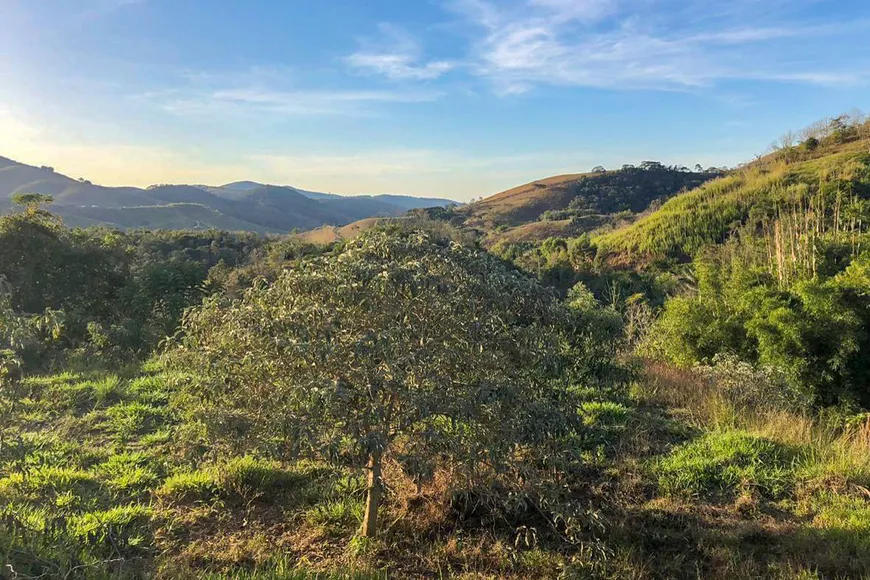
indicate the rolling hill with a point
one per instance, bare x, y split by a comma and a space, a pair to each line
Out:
708, 214
577, 202
245, 205
559, 206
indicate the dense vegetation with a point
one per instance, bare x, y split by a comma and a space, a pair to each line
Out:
408, 404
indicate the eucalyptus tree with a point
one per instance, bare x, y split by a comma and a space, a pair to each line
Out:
395, 346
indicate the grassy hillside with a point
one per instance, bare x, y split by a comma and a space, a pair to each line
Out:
562, 206
18, 178
707, 214
606, 192
239, 448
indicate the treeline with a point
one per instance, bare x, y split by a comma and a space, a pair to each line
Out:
824, 133
630, 189
101, 291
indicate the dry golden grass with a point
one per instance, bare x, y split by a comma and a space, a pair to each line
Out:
523, 203
533, 232
332, 234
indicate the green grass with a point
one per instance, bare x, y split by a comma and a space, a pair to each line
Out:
336, 513
728, 463
705, 215
843, 515
96, 486
239, 479
284, 569
189, 486
122, 526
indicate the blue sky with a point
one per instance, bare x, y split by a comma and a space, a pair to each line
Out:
454, 98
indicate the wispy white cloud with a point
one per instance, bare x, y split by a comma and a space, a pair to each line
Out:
623, 44
583, 10
397, 56
258, 101
399, 66
269, 91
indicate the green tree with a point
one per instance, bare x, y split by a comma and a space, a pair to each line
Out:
395, 346
32, 202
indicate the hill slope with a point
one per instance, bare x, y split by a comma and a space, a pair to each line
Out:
606, 192
241, 205
559, 206
706, 215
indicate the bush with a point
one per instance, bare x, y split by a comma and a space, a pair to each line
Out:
747, 386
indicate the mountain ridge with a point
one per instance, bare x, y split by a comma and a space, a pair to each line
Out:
243, 204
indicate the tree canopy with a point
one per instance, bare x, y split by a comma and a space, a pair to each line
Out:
395, 346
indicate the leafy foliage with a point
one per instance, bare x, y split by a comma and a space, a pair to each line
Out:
814, 331
101, 291
396, 346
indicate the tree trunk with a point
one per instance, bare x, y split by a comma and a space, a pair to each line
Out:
373, 497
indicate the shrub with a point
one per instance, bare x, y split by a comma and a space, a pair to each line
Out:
748, 386
344, 355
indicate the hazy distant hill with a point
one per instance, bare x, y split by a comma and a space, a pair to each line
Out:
404, 201
240, 205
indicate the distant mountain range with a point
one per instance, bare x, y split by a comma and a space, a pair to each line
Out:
242, 205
